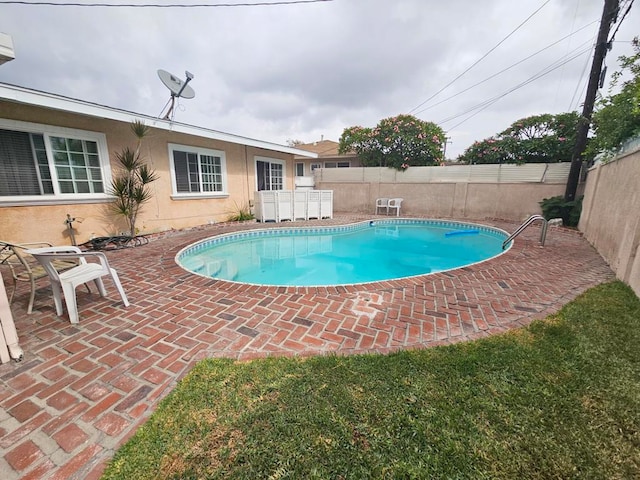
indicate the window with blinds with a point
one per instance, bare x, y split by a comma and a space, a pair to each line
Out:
197, 171
44, 164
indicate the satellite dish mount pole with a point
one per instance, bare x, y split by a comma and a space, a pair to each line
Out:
177, 87
173, 101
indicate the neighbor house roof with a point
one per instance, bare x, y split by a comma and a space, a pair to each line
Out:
14, 93
323, 148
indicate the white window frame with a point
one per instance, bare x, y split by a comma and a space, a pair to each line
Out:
337, 164
303, 169
315, 166
277, 161
48, 131
198, 151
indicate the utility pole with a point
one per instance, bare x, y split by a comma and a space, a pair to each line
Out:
609, 15
444, 147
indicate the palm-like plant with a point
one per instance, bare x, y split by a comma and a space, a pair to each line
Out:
130, 185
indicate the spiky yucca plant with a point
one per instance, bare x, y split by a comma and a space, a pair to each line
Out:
130, 184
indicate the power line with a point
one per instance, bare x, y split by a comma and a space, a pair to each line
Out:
628, 4
157, 5
575, 93
613, 35
541, 73
503, 70
573, 22
481, 106
480, 59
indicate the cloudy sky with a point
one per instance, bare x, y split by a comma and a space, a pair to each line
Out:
309, 70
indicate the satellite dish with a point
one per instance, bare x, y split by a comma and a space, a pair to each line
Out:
177, 87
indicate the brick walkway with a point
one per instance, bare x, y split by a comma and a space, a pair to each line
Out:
82, 390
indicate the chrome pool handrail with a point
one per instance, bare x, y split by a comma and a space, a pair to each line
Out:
527, 222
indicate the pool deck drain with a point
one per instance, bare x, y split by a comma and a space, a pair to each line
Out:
82, 390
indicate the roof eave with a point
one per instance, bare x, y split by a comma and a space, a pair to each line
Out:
27, 96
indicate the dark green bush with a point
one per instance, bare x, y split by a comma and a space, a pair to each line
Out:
557, 207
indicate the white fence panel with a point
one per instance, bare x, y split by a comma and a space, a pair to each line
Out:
451, 174
557, 172
527, 173
493, 173
484, 173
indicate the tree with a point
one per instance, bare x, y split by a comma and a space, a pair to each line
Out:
617, 117
542, 138
130, 185
396, 142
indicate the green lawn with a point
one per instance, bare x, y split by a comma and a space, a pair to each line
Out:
559, 399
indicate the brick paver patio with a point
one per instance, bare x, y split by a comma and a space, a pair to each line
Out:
82, 390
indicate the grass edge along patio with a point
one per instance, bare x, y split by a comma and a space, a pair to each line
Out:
558, 398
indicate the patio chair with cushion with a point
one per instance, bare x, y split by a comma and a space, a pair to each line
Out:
67, 281
25, 268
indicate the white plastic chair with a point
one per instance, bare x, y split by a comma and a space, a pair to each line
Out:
382, 203
394, 203
67, 281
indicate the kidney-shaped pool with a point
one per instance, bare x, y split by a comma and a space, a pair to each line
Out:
364, 252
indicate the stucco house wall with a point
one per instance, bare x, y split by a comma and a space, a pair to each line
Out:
43, 219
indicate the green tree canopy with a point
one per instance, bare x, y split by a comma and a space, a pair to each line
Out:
617, 117
542, 138
396, 142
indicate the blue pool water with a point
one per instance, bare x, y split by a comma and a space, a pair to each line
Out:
338, 255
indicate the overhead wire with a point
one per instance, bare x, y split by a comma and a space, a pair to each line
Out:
503, 70
573, 22
480, 59
486, 103
628, 4
582, 81
613, 35
160, 5
531, 79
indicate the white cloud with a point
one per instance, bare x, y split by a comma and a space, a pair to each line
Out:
303, 71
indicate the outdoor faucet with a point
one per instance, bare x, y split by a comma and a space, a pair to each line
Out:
69, 223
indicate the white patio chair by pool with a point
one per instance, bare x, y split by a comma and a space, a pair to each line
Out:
382, 203
67, 281
394, 203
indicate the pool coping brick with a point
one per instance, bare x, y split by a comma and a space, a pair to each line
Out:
82, 390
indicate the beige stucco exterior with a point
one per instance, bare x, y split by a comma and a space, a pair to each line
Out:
611, 215
451, 200
38, 221
510, 192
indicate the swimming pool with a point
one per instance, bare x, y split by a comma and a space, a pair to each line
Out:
364, 252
